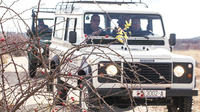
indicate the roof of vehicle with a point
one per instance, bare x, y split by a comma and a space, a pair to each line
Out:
80, 7
44, 10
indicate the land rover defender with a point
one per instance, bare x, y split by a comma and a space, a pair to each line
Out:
123, 66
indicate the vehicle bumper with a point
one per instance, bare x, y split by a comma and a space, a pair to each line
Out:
125, 92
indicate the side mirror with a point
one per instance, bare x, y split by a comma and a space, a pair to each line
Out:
72, 37
172, 39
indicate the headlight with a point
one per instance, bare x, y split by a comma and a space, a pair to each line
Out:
179, 71
111, 70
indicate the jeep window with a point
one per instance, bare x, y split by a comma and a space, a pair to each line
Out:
66, 30
59, 27
157, 27
71, 26
135, 25
43, 26
87, 23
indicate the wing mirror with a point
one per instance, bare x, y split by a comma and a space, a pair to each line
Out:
172, 39
72, 37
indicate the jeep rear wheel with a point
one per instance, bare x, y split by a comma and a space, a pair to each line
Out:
32, 67
181, 104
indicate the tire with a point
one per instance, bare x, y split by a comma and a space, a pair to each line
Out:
88, 101
32, 69
181, 104
62, 93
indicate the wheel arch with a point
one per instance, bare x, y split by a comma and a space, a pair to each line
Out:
55, 61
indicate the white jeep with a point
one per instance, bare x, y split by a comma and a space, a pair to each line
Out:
120, 66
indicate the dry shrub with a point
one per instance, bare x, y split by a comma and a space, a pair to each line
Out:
16, 44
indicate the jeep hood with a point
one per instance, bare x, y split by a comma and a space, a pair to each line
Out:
129, 54
157, 54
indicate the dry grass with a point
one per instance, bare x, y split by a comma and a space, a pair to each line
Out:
194, 53
5, 58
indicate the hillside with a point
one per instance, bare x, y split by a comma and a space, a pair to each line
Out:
186, 44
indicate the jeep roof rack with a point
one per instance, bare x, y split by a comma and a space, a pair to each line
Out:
108, 2
68, 5
44, 10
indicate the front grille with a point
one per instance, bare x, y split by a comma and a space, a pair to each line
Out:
147, 73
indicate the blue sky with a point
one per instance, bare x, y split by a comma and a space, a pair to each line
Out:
180, 16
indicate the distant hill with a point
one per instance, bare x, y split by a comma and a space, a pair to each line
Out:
186, 44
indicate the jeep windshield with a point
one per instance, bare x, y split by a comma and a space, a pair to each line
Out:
43, 22
126, 26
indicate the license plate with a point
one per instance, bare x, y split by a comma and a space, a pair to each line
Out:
149, 93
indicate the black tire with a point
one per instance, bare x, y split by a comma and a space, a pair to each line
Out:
88, 100
181, 104
172, 108
32, 69
62, 90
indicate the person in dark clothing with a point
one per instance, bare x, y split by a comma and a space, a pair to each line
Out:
93, 28
136, 27
43, 30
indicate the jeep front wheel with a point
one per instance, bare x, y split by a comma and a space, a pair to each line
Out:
181, 104
62, 90
88, 101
